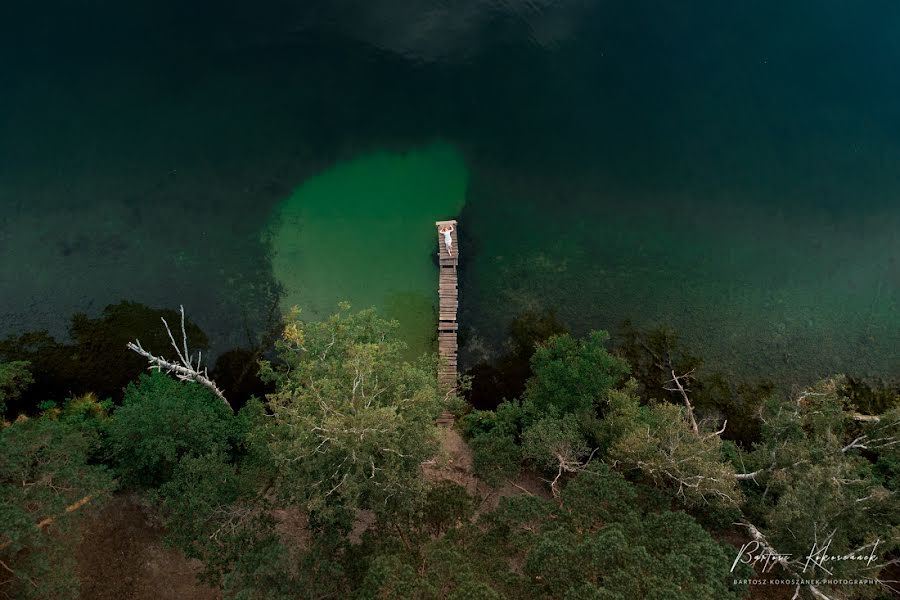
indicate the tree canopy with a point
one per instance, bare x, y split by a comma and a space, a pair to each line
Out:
351, 421
15, 377
585, 487
819, 473
594, 542
47, 477
161, 420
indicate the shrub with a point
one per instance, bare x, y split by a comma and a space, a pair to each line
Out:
163, 420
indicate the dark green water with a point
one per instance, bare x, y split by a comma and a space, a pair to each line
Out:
732, 171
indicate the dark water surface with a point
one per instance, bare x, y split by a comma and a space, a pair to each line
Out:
732, 171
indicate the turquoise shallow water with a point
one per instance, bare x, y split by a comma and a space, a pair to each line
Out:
359, 231
731, 171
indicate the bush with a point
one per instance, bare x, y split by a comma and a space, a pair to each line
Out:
506, 419
446, 504
14, 378
45, 473
163, 420
572, 375
496, 457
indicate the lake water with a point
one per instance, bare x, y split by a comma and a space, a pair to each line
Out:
729, 170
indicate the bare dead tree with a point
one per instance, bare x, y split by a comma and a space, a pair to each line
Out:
781, 559
867, 442
749, 476
865, 418
676, 379
184, 369
567, 462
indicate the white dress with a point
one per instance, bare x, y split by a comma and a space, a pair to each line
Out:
448, 242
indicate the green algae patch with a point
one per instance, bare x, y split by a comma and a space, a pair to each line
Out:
363, 231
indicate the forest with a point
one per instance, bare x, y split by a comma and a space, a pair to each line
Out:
590, 470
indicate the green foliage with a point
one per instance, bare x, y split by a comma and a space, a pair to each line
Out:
434, 570
95, 360
391, 577
345, 431
478, 422
887, 469
218, 508
496, 457
505, 420
597, 542
267, 498
14, 378
822, 473
351, 421
555, 444
598, 495
446, 505
87, 408
198, 487
553, 426
504, 378
572, 375
605, 539
45, 470
654, 353
46, 405
657, 441
161, 421
493, 436
214, 512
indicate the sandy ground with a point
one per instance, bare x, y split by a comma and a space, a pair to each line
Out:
454, 463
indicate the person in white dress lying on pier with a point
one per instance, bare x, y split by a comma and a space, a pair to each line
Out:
448, 240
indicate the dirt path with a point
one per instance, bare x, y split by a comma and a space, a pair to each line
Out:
454, 463
122, 557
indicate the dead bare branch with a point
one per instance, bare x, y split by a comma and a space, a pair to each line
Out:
186, 370
757, 536
676, 379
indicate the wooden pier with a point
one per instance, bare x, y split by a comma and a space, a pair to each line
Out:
449, 302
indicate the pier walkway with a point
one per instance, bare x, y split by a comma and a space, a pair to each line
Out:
449, 302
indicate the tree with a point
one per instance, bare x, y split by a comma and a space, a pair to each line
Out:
162, 420
216, 510
816, 479
184, 369
351, 421
504, 377
494, 440
14, 379
46, 481
658, 441
557, 445
446, 505
496, 457
595, 541
572, 375
94, 360
553, 425
342, 436
656, 356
